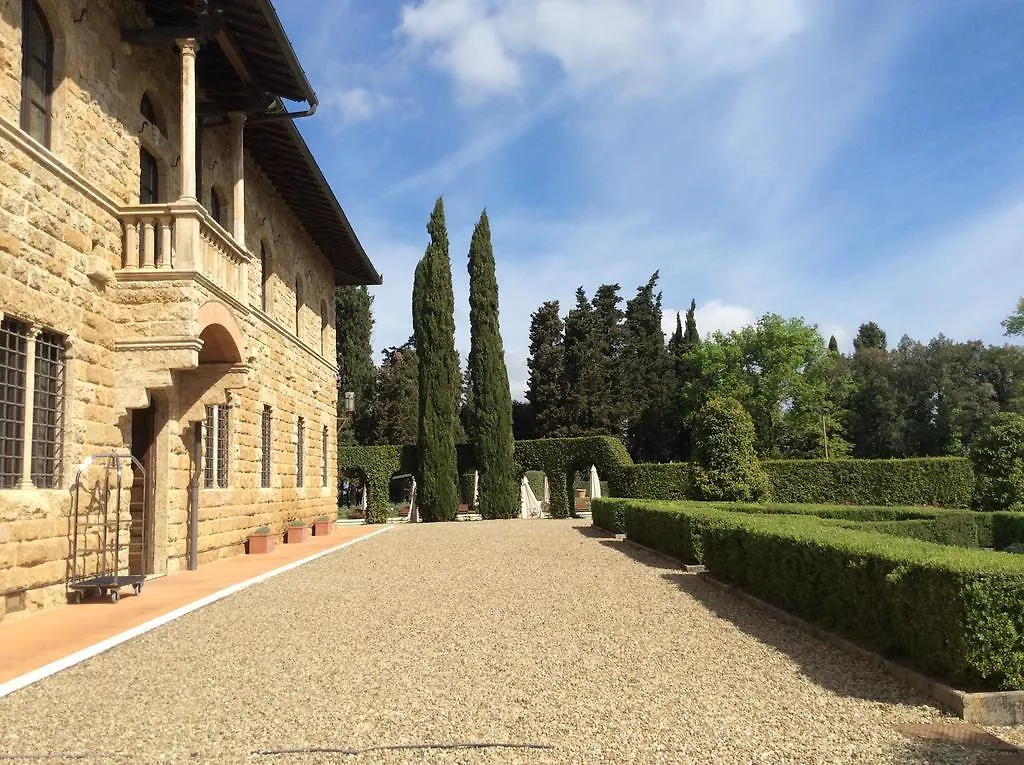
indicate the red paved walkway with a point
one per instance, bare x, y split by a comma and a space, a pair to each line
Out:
35, 641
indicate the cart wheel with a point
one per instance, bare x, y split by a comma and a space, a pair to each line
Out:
113, 596
137, 587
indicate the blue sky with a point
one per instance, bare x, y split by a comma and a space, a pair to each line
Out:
840, 160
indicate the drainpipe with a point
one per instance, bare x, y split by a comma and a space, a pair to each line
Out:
193, 518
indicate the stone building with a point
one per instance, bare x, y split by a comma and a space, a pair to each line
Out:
168, 254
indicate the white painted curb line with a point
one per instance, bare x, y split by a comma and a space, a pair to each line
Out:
78, 657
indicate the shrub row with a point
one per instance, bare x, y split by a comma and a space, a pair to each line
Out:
955, 613
935, 481
671, 480
608, 514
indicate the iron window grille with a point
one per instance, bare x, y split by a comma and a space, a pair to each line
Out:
48, 411
39, 378
299, 457
13, 363
323, 476
36, 72
266, 442
215, 464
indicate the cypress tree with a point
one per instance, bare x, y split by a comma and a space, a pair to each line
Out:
492, 400
354, 327
648, 373
833, 345
433, 318
546, 388
691, 338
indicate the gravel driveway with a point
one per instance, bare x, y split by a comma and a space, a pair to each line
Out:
534, 633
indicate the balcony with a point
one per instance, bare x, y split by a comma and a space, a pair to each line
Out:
180, 241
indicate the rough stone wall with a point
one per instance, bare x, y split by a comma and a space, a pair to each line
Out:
60, 244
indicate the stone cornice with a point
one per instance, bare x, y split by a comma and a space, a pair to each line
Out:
181, 343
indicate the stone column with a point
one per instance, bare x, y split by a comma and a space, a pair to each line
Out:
189, 47
30, 405
238, 203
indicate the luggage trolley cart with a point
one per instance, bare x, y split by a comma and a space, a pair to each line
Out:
101, 532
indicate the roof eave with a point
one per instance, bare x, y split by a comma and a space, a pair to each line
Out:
274, 22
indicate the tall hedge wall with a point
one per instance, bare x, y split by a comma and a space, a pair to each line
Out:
953, 612
673, 480
558, 458
936, 481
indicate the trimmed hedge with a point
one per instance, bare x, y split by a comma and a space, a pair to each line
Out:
935, 481
957, 530
673, 480
954, 613
608, 514
1007, 529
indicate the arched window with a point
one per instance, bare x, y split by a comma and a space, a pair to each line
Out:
264, 264
217, 206
149, 179
298, 305
265, 276
325, 325
36, 72
148, 111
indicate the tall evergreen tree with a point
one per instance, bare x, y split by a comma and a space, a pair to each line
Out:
609, 339
870, 335
833, 344
689, 387
546, 387
648, 373
393, 414
433, 318
492, 400
691, 338
583, 369
353, 321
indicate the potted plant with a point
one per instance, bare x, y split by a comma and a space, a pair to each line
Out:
298, 531
322, 526
261, 541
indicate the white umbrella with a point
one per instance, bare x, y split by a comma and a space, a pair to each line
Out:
529, 507
476, 488
595, 483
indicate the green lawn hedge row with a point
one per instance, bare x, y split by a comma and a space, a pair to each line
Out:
672, 480
608, 514
935, 481
957, 614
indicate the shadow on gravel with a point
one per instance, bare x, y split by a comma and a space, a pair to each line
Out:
595, 531
638, 553
852, 677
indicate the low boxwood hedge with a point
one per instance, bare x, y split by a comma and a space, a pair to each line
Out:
957, 614
608, 514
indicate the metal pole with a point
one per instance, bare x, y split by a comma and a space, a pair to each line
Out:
193, 517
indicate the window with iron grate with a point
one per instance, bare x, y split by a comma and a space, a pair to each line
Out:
215, 465
266, 442
324, 447
33, 365
300, 432
48, 411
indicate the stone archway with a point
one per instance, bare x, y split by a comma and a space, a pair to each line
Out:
223, 341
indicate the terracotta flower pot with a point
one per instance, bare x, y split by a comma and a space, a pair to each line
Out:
297, 534
260, 544
581, 493
322, 528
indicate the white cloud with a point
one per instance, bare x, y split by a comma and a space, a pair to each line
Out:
357, 104
486, 45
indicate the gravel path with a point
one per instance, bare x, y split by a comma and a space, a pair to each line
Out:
517, 632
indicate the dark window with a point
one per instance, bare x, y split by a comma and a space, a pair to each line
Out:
149, 112
13, 358
265, 269
48, 411
299, 456
266, 443
149, 179
36, 72
298, 305
217, 210
324, 447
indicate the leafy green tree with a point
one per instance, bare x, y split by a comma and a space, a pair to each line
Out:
725, 463
870, 335
998, 457
876, 406
1014, 323
775, 370
392, 416
353, 314
492, 399
1002, 366
648, 373
433, 314
546, 387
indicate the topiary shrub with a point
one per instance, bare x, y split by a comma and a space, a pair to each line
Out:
725, 465
998, 456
